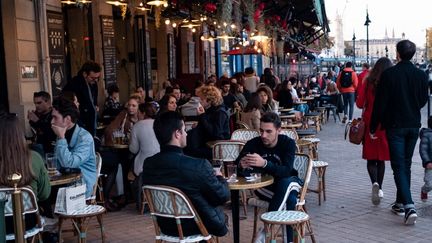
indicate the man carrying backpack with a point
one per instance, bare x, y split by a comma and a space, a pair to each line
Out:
347, 84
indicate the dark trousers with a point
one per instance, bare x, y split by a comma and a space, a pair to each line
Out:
402, 142
279, 188
348, 99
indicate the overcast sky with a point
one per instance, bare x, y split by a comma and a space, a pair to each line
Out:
409, 16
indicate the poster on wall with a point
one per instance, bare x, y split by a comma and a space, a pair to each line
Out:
56, 51
109, 52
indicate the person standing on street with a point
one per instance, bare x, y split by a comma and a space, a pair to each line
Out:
399, 98
85, 87
375, 151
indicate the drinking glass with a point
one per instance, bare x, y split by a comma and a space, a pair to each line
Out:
51, 163
232, 171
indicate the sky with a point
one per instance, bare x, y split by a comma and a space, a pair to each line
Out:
409, 16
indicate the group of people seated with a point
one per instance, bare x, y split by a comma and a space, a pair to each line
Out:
155, 134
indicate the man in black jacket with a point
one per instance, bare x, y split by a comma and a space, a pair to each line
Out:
272, 154
40, 120
402, 92
85, 87
206, 188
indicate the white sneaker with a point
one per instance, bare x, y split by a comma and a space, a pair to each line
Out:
380, 193
375, 194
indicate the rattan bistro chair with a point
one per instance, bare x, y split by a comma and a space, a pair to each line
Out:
303, 165
80, 218
29, 206
170, 202
244, 134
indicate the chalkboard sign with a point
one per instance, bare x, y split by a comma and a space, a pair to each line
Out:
56, 51
108, 47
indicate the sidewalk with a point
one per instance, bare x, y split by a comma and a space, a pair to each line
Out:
347, 216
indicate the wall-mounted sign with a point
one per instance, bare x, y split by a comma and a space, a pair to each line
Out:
29, 72
109, 52
56, 51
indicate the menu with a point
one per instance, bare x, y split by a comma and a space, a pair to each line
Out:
108, 47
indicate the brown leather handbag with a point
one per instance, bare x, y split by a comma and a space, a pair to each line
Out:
355, 131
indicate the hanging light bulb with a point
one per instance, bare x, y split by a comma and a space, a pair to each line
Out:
174, 25
158, 3
210, 39
68, 2
225, 24
117, 3
193, 30
233, 26
202, 38
167, 21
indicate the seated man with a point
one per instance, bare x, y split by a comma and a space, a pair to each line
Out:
272, 154
74, 147
40, 120
195, 177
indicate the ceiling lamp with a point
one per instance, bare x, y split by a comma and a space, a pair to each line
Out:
158, 3
84, 1
142, 8
117, 3
68, 2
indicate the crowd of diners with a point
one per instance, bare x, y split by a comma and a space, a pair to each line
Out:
67, 125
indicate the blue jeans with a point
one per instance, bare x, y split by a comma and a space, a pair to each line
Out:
279, 188
402, 142
348, 99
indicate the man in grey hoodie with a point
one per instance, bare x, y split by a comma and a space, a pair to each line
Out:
425, 149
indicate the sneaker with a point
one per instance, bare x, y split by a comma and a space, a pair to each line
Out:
344, 119
424, 196
398, 209
375, 191
410, 216
380, 193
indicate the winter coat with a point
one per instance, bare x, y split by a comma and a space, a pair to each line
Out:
373, 149
195, 177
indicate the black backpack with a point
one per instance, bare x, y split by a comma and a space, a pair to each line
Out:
346, 79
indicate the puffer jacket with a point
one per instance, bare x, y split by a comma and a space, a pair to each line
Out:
425, 147
195, 177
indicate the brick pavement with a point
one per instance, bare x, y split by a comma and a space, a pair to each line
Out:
347, 216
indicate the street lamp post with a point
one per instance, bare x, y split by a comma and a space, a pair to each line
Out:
367, 22
386, 50
354, 54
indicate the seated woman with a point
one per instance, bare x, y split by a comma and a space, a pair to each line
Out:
123, 122
167, 103
213, 122
121, 127
15, 157
143, 144
303, 108
266, 96
251, 114
284, 97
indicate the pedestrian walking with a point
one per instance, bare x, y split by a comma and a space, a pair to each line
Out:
399, 98
375, 151
347, 84
425, 149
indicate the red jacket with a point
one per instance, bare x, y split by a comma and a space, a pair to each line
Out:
361, 77
353, 87
373, 149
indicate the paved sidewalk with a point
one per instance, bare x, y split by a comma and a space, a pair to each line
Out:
347, 216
